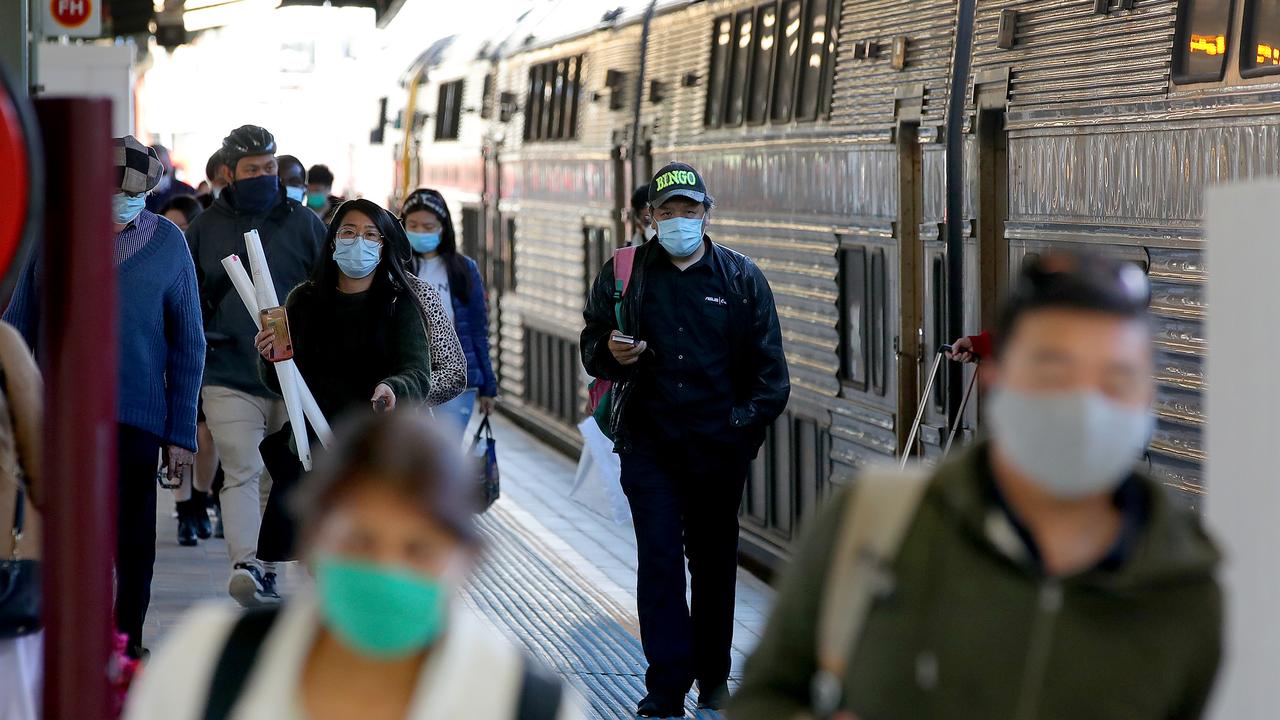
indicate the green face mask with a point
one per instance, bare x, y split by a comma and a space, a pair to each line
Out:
317, 200
381, 612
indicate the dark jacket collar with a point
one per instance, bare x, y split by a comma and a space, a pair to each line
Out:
1170, 547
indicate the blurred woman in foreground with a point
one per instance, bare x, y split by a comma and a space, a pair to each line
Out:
389, 532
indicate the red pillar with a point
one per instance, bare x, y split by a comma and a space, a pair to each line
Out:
79, 358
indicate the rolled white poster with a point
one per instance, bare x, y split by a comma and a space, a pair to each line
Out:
243, 285
261, 273
244, 288
286, 371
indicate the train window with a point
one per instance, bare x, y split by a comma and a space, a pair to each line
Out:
511, 255
939, 311
721, 37
762, 65
1260, 53
1203, 30
486, 96
878, 324
572, 91
813, 59
448, 110
533, 105
829, 72
549, 98
741, 66
784, 81
555, 92
853, 316
597, 248
551, 110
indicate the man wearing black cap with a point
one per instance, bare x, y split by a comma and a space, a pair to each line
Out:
695, 353
162, 354
239, 409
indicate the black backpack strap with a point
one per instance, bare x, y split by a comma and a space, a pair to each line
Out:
237, 660
540, 694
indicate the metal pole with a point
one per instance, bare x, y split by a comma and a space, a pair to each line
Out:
79, 358
957, 102
636, 171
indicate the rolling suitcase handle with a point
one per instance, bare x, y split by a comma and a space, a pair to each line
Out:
924, 404
964, 402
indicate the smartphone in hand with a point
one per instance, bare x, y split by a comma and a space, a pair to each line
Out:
276, 320
624, 339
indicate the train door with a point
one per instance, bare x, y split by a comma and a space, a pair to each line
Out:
991, 263
910, 345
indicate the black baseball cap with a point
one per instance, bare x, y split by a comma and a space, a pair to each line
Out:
676, 179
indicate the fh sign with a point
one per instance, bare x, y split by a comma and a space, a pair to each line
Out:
76, 18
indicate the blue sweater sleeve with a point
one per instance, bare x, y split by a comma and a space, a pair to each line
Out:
184, 336
23, 312
478, 307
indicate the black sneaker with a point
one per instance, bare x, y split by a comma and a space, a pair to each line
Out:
217, 520
186, 531
248, 587
659, 707
269, 587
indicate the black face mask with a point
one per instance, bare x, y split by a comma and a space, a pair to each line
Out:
256, 194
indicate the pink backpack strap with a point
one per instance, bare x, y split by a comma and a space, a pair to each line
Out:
624, 260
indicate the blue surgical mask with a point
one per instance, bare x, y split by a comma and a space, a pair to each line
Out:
357, 257
295, 193
423, 242
124, 208
256, 195
680, 236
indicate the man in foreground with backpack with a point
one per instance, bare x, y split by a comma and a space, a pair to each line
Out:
1038, 576
688, 334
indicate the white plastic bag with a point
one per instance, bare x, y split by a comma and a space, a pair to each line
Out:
598, 481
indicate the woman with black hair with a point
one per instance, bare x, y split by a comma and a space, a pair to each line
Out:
437, 262
359, 336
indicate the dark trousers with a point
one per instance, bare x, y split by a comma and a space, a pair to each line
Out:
137, 460
684, 503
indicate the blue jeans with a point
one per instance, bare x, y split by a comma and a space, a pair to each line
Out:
456, 414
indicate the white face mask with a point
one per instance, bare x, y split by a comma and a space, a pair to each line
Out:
1072, 444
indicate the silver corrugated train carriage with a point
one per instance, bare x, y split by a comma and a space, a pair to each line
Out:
839, 137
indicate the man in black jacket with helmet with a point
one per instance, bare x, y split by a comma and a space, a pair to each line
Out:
699, 373
239, 409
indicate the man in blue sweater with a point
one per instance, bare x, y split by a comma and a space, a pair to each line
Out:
161, 362
238, 408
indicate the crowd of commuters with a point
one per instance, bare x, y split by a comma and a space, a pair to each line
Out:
1035, 575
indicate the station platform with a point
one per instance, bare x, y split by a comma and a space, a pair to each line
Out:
557, 577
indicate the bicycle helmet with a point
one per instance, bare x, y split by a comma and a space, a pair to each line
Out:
247, 140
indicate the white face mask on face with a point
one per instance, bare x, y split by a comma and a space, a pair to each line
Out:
1071, 444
